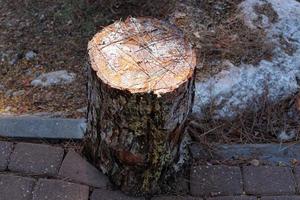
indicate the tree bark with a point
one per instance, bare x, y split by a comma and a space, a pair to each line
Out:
134, 133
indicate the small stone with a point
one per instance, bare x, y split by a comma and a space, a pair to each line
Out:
15, 58
3, 56
30, 55
42, 17
197, 34
18, 93
254, 162
7, 108
54, 78
82, 110
28, 72
2, 88
179, 15
8, 93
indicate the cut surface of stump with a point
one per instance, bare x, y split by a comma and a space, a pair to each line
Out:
140, 92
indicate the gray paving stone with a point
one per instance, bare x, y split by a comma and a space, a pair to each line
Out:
102, 194
234, 198
176, 198
5, 151
39, 127
270, 154
182, 184
215, 181
281, 198
36, 159
268, 180
77, 169
49, 189
15, 187
297, 177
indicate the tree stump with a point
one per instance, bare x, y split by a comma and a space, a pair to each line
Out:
140, 92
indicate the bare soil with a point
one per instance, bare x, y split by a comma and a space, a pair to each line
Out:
217, 30
257, 126
58, 32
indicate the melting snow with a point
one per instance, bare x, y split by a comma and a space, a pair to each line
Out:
53, 78
236, 88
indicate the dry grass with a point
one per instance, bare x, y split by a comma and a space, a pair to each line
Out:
261, 126
121, 8
226, 37
218, 32
232, 41
58, 31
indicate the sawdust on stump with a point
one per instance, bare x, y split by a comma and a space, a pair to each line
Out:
140, 92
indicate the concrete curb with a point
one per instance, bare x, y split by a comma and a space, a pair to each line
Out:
42, 127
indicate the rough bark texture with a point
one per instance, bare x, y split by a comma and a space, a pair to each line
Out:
135, 137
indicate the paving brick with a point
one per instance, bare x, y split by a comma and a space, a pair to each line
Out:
176, 198
297, 177
5, 151
268, 180
37, 159
102, 194
216, 181
234, 198
281, 198
181, 185
49, 189
75, 168
15, 187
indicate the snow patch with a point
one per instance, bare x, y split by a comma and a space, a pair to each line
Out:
286, 136
30, 55
237, 88
53, 78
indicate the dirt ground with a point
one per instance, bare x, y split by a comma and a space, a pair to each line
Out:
58, 32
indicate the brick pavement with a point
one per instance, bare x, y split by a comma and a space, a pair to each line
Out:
39, 172
216, 180
36, 159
